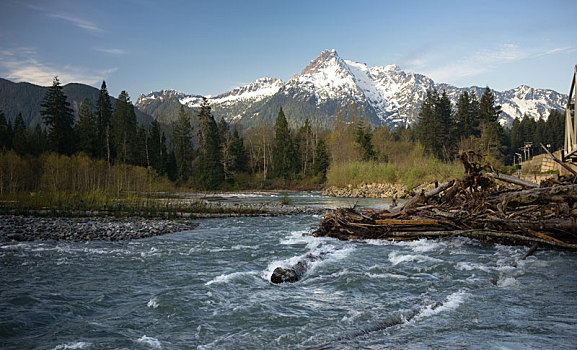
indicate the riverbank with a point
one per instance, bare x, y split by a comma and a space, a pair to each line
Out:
30, 228
375, 190
101, 225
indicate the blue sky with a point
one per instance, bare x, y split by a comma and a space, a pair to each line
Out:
209, 47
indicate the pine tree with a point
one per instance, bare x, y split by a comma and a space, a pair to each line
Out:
426, 131
446, 137
20, 134
157, 148
171, 168
37, 141
124, 130
87, 130
239, 154
364, 137
492, 132
322, 160
466, 115
556, 129
182, 140
209, 170
140, 154
103, 121
284, 155
59, 118
5, 133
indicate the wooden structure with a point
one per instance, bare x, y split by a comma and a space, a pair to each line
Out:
570, 152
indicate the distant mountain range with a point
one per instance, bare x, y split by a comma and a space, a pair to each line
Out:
386, 95
26, 98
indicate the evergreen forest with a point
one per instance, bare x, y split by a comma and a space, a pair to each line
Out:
105, 149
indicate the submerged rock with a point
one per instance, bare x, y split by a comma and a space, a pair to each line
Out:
282, 275
297, 271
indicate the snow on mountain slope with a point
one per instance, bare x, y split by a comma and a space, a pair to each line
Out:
388, 94
327, 77
253, 92
256, 91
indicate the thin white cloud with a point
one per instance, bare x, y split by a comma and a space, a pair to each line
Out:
111, 51
21, 64
77, 21
488, 60
74, 20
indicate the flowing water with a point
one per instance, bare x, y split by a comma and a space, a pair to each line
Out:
209, 289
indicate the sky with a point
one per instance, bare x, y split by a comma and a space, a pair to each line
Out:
210, 47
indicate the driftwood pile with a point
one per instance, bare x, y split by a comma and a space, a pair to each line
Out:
476, 206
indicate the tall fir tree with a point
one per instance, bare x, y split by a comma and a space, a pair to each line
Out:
37, 141
466, 116
87, 130
5, 133
364, 138
239, 154
182, 141
492, 133
446, 137
425, 130
124, 130
209, 170
157, 148
284, 156
322, 160
59, 118
20, 136
104, 124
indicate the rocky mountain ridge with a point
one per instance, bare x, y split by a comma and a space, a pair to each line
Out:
386, 94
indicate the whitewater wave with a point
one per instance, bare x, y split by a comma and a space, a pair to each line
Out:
149, 341
451, 302
153, 303
225, 278
72, 346
330, 254
396, 258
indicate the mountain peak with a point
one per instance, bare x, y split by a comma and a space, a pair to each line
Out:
326, 58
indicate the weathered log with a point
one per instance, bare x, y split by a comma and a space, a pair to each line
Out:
439, 189
567, 226
513, 180
564, 193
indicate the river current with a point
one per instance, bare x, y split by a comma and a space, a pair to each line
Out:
209, 289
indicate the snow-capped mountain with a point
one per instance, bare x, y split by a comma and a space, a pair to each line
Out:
386, 95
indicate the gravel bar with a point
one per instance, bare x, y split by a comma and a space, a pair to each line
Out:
30, 228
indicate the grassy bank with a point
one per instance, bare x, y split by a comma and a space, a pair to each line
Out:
410, 174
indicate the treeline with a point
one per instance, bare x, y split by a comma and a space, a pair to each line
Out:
270, 156
444, 129
215, 158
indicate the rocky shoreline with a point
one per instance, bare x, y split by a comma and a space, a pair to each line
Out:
375, 190
30, 228
87, 226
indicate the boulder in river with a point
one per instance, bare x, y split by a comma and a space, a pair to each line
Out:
297, 271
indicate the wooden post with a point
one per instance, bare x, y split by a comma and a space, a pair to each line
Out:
571, 122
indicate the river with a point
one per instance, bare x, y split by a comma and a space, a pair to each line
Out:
209, 289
